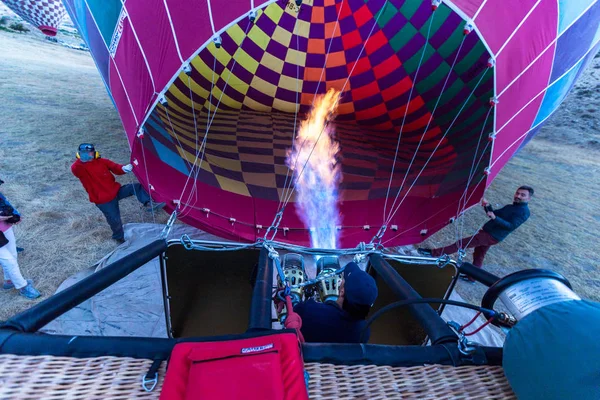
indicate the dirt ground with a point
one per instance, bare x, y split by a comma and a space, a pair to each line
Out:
54, 99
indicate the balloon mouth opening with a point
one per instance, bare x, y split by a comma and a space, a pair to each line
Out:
48, 30
246, 99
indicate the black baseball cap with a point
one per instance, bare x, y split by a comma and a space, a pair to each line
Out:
360, 287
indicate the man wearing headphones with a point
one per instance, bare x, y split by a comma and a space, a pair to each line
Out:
97, 177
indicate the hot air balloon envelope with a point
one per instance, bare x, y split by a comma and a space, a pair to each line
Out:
436, 98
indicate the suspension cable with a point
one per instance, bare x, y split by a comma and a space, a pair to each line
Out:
460, 210
177, 138
412, 88
431, 216
210, 121
148, 180
473, 237
439, 98
132, 183
435, 149
195, 127
287, 174
202, 145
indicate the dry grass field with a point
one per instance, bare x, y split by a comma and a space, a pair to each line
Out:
53, 99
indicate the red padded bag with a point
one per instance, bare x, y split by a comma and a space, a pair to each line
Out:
265, 368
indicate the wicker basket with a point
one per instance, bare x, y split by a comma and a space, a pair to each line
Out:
46, 377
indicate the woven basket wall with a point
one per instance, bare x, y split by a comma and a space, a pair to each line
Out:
46, 377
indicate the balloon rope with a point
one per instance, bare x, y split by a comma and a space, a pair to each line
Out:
412, 88
436, 147
203, 144
364, 46
469, 198
210, 121
287, 174
428, 218
177, 137
132, 182
460, 210
195, 129
475, 234
148, 180
450, 71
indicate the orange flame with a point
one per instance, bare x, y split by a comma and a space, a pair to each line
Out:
316, 171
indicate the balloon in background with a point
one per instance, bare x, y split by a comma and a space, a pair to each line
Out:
46, 15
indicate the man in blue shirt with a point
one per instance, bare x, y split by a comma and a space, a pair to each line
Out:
502, 222
342, 320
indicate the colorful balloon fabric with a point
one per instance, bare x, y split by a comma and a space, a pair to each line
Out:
210, 93
46, 15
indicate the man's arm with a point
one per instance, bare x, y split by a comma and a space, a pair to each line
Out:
512, 223
115, 168
76, 170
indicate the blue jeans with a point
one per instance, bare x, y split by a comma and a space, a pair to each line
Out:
111, 209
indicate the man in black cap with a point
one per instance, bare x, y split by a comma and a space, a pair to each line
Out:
342, 320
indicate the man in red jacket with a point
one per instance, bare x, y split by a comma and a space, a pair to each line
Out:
97, 177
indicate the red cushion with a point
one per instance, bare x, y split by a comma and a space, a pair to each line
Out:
265, 368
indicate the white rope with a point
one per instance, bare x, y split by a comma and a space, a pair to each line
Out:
471, 174
195, 124
126, 92
517, 28
412, 88
212, 23
362, 50
204, 139
478, 11
428, 124
430, 217
210, 120
201, 149
173, 31
139, 46
287, 174
473, 237
132, 183
460, 224
435, 149
469, 198
195, 184
148, 180
228, 77
549, 46
177, 137
416, 225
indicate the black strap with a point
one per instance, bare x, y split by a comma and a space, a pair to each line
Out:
150, 380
